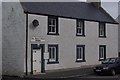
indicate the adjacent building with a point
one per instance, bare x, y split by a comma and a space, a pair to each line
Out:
118, 19
38, 37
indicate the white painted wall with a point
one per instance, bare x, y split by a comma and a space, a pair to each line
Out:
0, 40
118, 19
67, 41
13, 38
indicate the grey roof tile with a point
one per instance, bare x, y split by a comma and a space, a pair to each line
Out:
80, 10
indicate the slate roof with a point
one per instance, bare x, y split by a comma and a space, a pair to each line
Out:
80, 10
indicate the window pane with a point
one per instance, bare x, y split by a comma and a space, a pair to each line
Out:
79, 23
53, 54
49, 22
53, 51
79, 30
80, 27
53, 29
52, 25
77, 52
102, 29
80, 53
54, 21
102, 52
50, 51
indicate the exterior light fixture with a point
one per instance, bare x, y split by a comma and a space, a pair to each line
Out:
35, 23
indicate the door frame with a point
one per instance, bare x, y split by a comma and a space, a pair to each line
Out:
42, 47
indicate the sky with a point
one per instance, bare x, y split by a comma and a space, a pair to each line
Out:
111, 8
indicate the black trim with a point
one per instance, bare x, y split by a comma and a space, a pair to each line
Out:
102, 37
80, 35
56, 62
83, 59
57, 54
104, 52
118, 54
83, 25
53, 34
32, 58
57, 26
42, 58
35, 46
26, 44
104, 30
68, 17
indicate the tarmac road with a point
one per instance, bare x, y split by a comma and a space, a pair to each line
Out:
87, 77
99, 77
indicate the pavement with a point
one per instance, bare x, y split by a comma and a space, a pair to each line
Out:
67, 73
71, 74
58, 74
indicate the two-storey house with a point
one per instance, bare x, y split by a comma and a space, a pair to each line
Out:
38, 37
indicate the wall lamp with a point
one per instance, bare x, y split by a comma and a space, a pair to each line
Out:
35, 23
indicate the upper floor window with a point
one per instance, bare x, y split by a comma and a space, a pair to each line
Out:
102, 52
52, 25
53, 53
80, 31
80, 53
102, 30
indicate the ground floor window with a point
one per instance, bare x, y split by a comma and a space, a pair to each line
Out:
80, 53
102, 52
53, 53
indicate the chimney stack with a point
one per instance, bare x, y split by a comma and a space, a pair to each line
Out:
96, 3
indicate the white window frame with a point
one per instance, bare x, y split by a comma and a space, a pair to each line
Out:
80, 53
102, 49
52, 25
102, 30
102, 52
80, 28
51, 53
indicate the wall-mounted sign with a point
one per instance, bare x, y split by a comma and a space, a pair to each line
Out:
46, 55
37, 39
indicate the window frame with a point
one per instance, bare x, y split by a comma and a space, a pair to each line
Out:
103, 54
56, 47
103, 25
80, 27
53, 25
82, 59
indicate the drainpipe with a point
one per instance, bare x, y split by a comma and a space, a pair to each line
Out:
26, 44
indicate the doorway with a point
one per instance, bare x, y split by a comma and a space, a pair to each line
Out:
37, 59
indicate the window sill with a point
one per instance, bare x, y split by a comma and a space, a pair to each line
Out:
80, 60
55, 62
80, 35
101, 59
52, 33
102, 37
